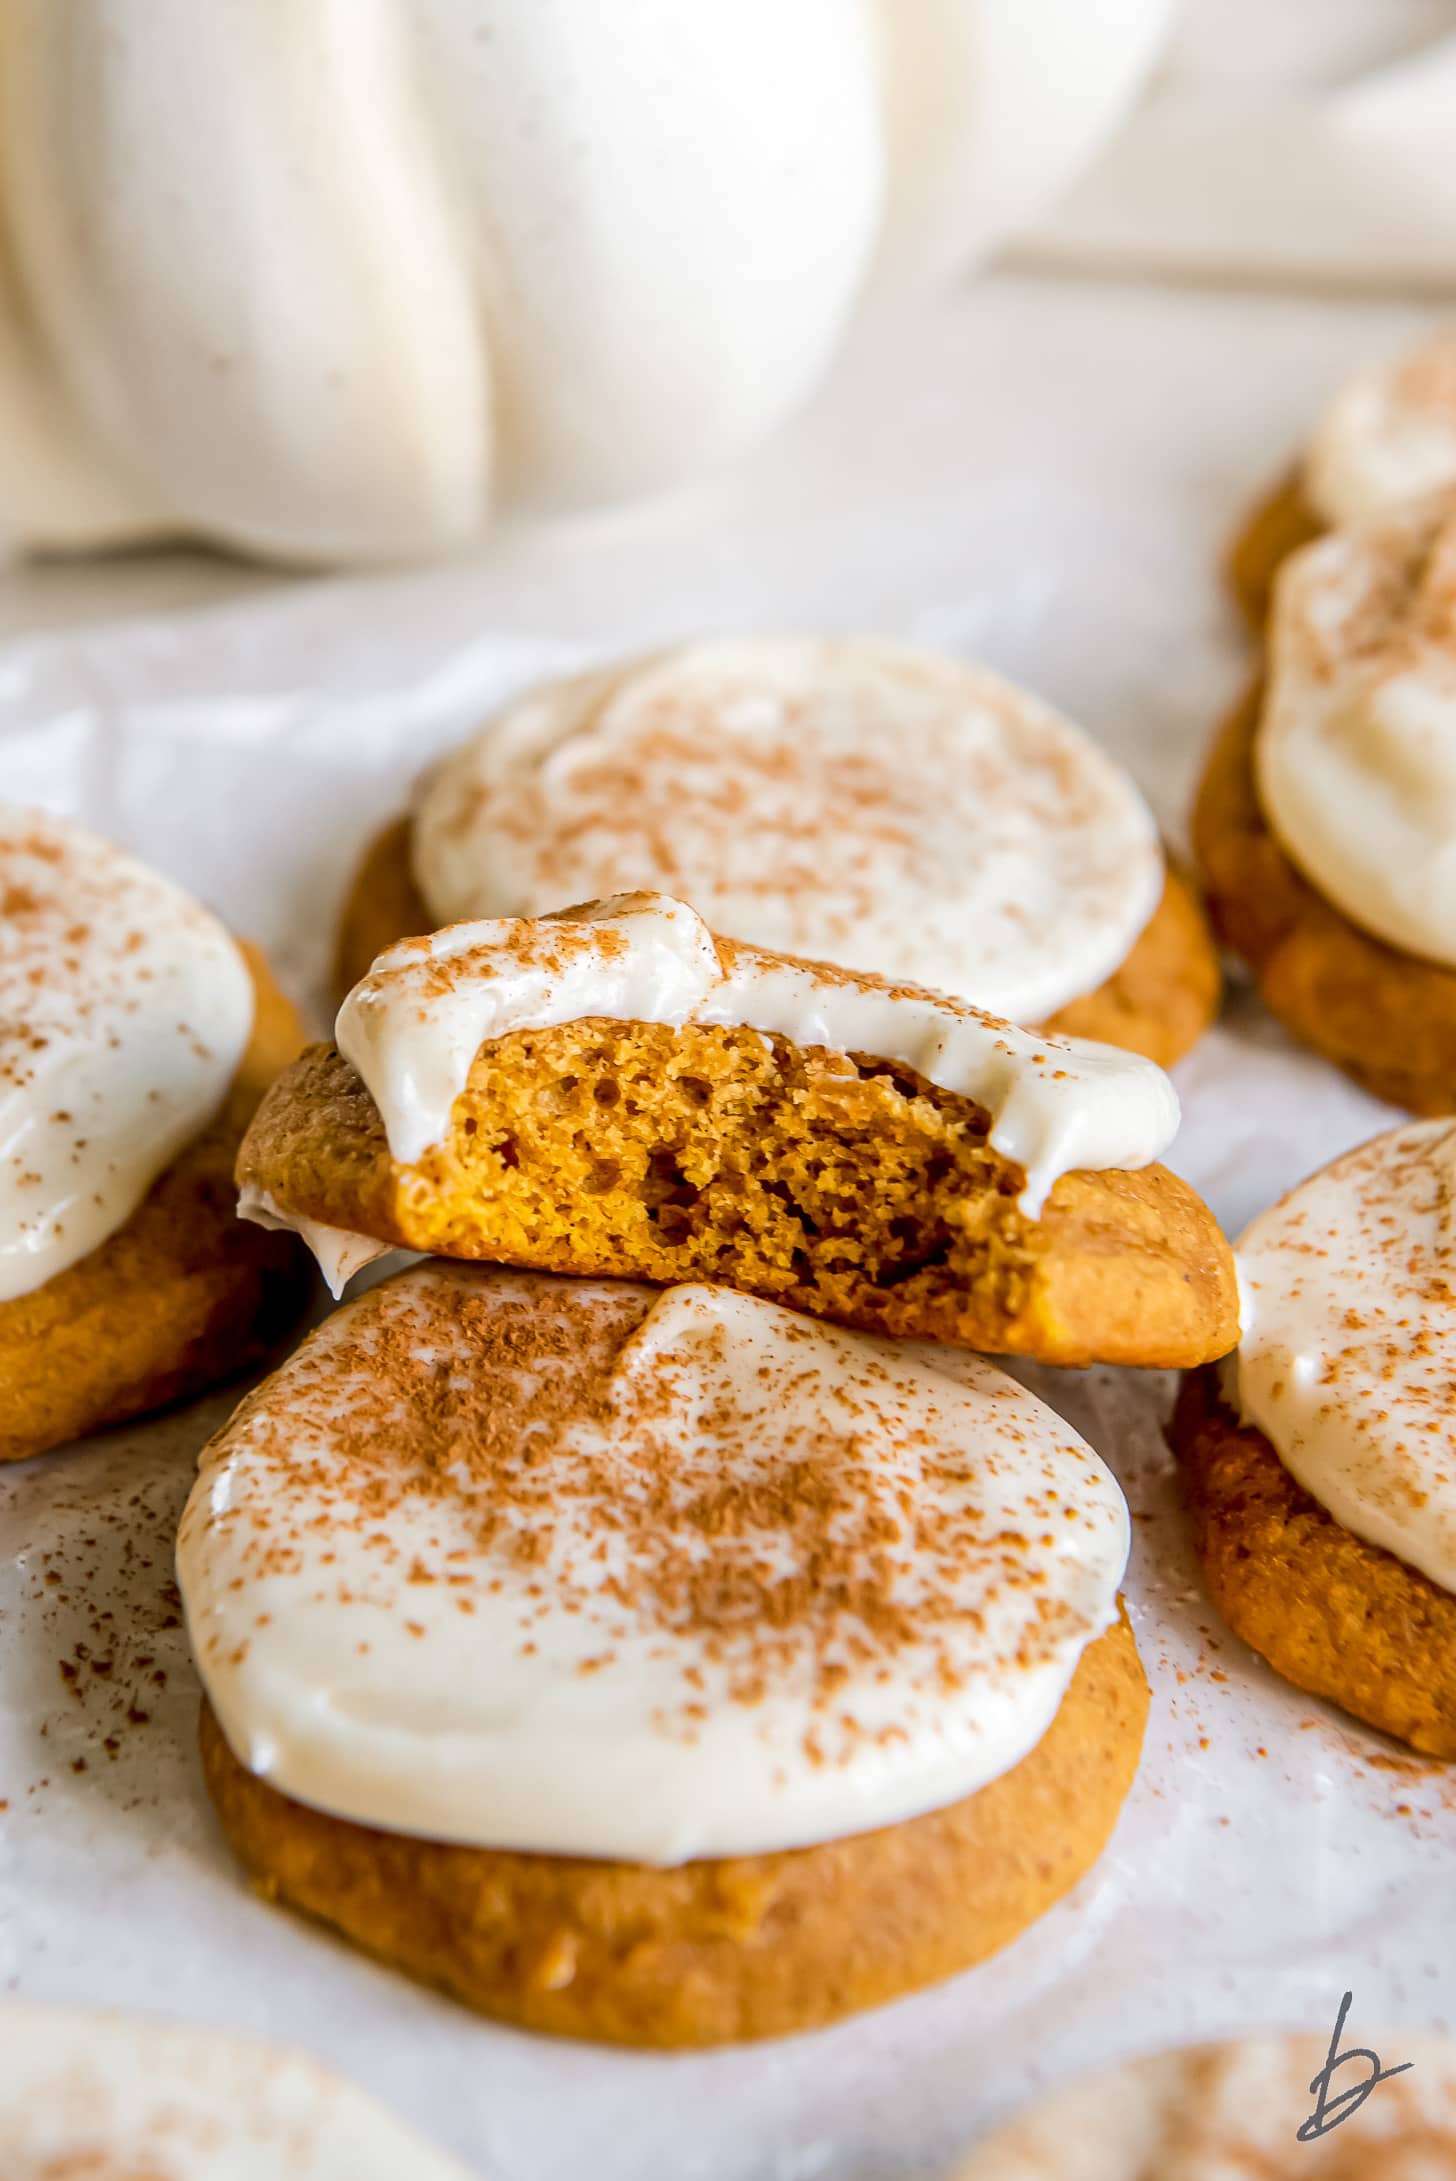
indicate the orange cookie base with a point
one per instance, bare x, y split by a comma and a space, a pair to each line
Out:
1282, 522
1334, 1615
182, 1295
1158, 1003
1388, 1019
1167, 992
717, 1951
850, 1189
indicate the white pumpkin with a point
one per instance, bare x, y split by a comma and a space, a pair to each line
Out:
331, 279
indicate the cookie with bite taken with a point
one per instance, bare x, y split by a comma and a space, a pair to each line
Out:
618, 1091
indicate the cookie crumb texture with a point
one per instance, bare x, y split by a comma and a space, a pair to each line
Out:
1387, 1018
1334, 1615
848, 1188
183, 1294
718, 1951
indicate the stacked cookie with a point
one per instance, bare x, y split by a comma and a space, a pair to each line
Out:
1386, 439
1266, 2108
1323, 825
574, 1633
1316, 1458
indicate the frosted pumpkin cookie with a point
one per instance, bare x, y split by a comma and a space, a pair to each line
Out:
859, 803
656, 1665
136, 1039
616, 1091
1318, 1463
1234, 2112
1386, 441
93, 2096
1325, 824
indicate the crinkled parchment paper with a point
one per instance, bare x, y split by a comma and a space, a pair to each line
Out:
1042, 479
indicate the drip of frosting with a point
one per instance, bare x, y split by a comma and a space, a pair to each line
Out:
93, 2096
338, 1252
1356, 751
858, 803
1348, 1355
587, 1568
125, 1009
413, 1026
1387, 439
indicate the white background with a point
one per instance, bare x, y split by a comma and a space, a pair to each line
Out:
1040, 475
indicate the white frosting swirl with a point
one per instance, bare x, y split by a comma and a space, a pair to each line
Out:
1356, 750
1388, 438
1347, 1359
412, 1027
587, 1568
860, 803
125, 1009
93, 2096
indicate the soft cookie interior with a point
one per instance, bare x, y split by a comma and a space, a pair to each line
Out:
845, 1187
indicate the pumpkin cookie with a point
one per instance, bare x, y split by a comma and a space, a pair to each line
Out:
1387, 440
1317, 1465
656, 1665
93, 2096
1234, 2112
858, 803
1324, 823
136, 1039
615, 1091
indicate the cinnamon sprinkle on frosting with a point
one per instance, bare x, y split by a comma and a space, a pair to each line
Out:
781, 1582
850, 801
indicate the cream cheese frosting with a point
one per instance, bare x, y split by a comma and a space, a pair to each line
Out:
412, 1027
125, 1009
88, 2095
1388, 438
859, 803
587, 1568
337, 1251
1356, 750
1347, 1359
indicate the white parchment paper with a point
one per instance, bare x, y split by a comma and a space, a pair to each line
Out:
1043, 484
